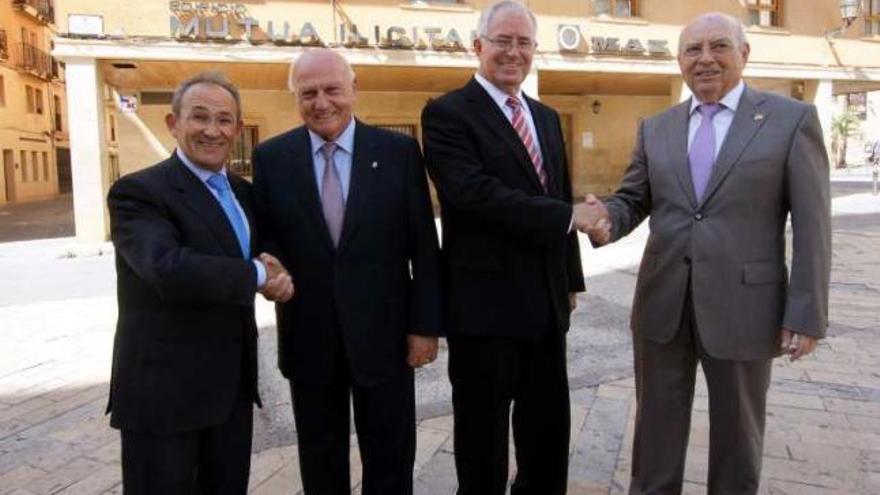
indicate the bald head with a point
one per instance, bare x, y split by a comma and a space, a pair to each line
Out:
726, 22
324, 85
712, 53
322, 58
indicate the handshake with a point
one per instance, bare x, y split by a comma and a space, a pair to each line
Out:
591, 218
279, 285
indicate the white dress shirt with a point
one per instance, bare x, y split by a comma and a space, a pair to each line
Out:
722, 119
500, 99
342, 157
203, 176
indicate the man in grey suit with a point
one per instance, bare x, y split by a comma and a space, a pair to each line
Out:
718, 175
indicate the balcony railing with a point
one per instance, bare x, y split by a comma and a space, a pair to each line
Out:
31, 59
42, 10
4, 45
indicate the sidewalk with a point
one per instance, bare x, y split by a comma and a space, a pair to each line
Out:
823, 431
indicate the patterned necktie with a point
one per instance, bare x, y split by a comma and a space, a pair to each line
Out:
702, 154
332, 200
220, 184
522, 128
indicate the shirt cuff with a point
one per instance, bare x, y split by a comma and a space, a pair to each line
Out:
571, 223
261, 274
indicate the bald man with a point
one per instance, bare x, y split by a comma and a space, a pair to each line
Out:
346, 205
719, 175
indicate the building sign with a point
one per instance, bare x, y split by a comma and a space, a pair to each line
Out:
232, 22
572, 40
216, 21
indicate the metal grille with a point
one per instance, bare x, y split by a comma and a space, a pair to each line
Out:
408, 129
240, 156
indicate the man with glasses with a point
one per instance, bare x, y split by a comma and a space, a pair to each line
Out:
511, 263
719, 175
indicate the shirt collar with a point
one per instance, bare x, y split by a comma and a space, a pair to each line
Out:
201, 173
345, 141
499, 96
730, 100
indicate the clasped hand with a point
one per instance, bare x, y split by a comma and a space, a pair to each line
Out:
591, 218
279, 285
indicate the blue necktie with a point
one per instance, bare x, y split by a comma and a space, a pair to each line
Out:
220, 184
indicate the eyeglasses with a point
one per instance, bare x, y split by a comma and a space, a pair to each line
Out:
504, 43
720, 47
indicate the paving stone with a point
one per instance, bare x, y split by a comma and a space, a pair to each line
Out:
268, 463
63, 477
437, 477
599, 442
19, 477
98, 482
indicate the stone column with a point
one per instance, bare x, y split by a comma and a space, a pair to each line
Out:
88, 148
818, 92
530, 85
678, 91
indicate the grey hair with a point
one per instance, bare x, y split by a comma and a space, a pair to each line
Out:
503, 6
736, 25
206, 77
291, 73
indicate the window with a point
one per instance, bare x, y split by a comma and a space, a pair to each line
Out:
38, 101
408, 129
2, 92
23, 163
240, 156
45, 166
857, 104
4, 45
616, 8
29, 98
59, 116
35, 166
872, 17
765, 12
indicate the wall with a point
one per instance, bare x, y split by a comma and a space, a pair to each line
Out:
21, 130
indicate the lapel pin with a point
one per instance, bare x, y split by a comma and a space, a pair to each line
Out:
759, 116
375, 165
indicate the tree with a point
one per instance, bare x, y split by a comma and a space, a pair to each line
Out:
843, 126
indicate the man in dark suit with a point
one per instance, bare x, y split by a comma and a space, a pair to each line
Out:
346, 207
511, 263
184, 375
719, 175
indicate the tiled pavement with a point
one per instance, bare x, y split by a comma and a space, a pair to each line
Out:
823, 432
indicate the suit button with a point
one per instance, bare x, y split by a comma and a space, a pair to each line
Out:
698, 216
687, 260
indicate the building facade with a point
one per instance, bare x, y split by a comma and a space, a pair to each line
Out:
603, 64
34, 148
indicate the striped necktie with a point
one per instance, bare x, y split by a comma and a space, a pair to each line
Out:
525, 134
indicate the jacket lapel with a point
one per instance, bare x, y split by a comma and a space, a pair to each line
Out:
742, 130
676, 140
544, 131
304, 183
495, 120
361, 181
196, 196
242, 194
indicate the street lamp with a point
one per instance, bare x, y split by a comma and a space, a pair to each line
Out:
849, 11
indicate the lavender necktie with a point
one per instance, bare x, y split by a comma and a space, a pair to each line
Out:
702, 154
332, 200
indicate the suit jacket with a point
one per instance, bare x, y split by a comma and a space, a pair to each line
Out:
730, 246
508, 261
186, 330
359, 300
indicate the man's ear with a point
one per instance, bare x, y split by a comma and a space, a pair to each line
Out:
171, 122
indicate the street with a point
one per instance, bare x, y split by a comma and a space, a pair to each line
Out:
57, 316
